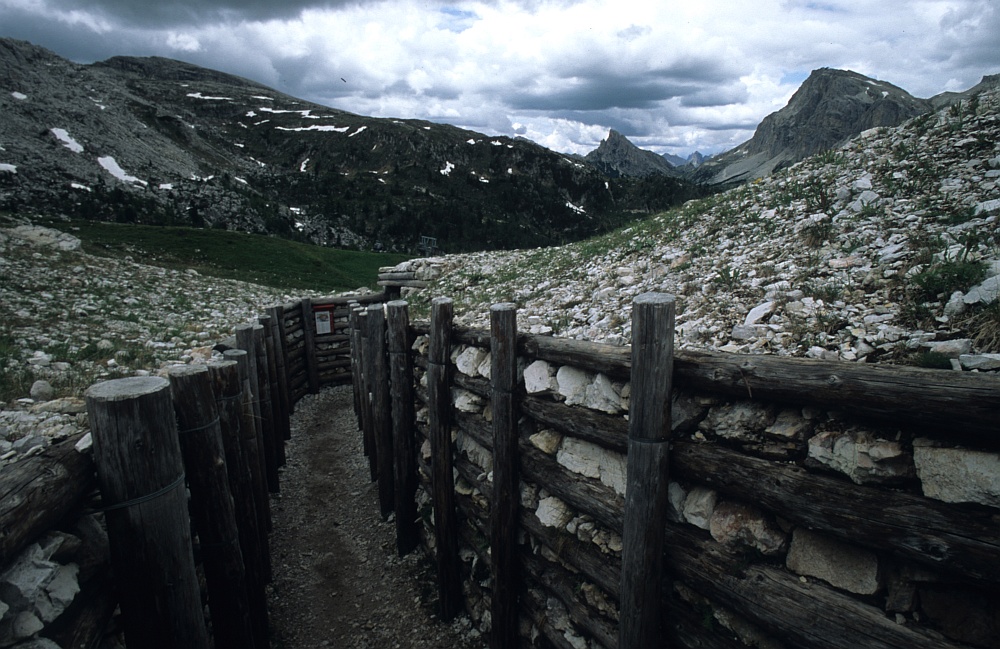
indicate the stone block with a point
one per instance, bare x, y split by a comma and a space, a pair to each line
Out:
736, 523
742, 420
790, 425
553, 512
593, 461
861, 456
469, 360
539, 377
839, 564
957, 475
573, 384
698, 506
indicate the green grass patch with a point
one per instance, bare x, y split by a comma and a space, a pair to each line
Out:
270, 261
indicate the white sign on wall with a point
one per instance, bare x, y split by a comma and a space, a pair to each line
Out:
322, 322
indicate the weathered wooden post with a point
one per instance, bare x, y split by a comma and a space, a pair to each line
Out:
141, 477
250, 442
355, 338
381, 408
263, 391
228, 390
506, 480
442, 480
281, 347
277, 417
212, 505
640, 616
403, 444
309, 349
367, 416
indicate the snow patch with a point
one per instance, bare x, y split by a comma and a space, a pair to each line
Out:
357, 131
314, 127
19, 95
304, 165
470, 141
111, 166
166, 186
575, 208
496, 143
80, 187
9, 168
198, 95
63, 136
263, 97
448, 168
251, 113
240, 180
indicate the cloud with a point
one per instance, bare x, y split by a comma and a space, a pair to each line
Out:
672, 75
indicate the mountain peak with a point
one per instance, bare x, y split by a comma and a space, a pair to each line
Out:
617, 156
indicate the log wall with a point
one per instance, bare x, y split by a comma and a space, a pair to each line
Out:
811, 504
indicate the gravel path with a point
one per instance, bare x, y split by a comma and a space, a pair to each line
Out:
337, 579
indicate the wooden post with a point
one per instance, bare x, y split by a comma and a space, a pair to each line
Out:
403, 443
506, 478
309, 336
640, 616
141, 477
381, 408
263, 389
367, 425
355, 340
228, 390
248, 370
277, 416
442, 480
249, 441
212, 505
281, 347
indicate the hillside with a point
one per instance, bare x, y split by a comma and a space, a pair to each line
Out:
884, 250
158, 141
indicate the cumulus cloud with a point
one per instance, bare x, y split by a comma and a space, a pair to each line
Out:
673, 76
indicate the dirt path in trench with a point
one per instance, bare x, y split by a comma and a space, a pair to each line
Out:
337, 579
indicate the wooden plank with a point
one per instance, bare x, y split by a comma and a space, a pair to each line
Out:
640, 622
267, 428
806, 614
954, 540
37, 492
212, 506
256, 446
141, 477
356, 366
506, 479
381, 408
411, 283
277, 416
281, 361
403, 444
443, 492
345, 300
608, 431
398, 275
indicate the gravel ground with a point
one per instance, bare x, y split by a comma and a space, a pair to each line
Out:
337, 579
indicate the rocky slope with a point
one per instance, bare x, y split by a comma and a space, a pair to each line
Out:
71, 319
884, 250
617, 156
830, 107
153, 140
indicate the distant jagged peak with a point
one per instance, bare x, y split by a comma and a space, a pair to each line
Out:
616, 156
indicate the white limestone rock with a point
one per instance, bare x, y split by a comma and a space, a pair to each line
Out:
957, 475
698, 506
738, 523
539, 377
862, 456
982, 362
742, 420
841, 565
573, 383
469, 360
553, 512
593, 461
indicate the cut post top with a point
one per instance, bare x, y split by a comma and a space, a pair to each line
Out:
126, 388
654, 298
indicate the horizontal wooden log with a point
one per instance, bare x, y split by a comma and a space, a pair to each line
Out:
805, 614
344, 300
952, 539
951, 405
340, 362
605, 430
398, 275
338, 338
411, 283
38, 492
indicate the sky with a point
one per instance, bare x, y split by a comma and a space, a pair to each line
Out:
672, 76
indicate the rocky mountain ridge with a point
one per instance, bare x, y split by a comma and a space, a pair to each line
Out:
886, 249
159, 141
829, 107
